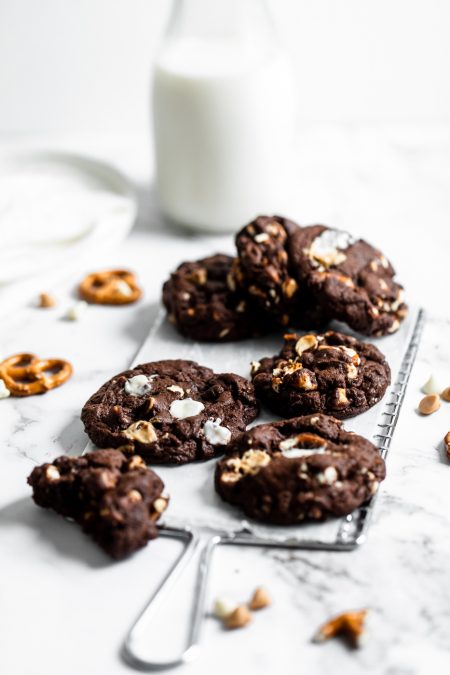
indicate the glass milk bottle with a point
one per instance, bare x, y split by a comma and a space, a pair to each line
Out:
224, 113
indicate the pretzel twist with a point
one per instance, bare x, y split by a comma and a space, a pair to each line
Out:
28, 375
110, 287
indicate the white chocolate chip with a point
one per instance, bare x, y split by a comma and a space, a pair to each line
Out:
52, 474
394, 327
261, 237
180, 409
305, 382
352, 371
77, 310
215, 434
176, 389
342, 400
374, 487
141, 431
328, 476
328, 246
352, 354
304, 343
160, 504
134, 496
255, 366
293, 453
432, 386
4, 391
138, 385
249, 464
289, 449
122, 288
223, 607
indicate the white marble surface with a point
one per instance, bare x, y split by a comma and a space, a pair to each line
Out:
64, 608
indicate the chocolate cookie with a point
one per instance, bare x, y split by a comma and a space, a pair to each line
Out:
204, 305
305, 468
115, 500
330, 372
265, 271
350, 279
170, 411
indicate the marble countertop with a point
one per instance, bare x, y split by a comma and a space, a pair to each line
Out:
65, 608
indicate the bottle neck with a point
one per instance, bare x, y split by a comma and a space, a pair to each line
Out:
222, 19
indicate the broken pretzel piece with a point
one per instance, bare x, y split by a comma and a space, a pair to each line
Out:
348, 624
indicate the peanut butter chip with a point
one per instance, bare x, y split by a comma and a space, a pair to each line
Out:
445, 395
239, 618
429, 404
46, 300
260, 599
447, 443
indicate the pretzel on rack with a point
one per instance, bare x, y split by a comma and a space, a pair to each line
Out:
110, 287
27, 374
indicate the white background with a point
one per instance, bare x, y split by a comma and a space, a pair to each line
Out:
84, 65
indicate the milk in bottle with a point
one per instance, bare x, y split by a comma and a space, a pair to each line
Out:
224, 109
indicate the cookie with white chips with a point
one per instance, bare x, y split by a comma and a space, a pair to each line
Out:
350, 279
330, 372
171, 411
301, 469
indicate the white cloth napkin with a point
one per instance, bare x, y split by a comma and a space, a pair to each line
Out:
56, 211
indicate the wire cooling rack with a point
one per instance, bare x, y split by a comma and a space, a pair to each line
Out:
202, 541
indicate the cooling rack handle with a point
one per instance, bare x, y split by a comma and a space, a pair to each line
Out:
198, 551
